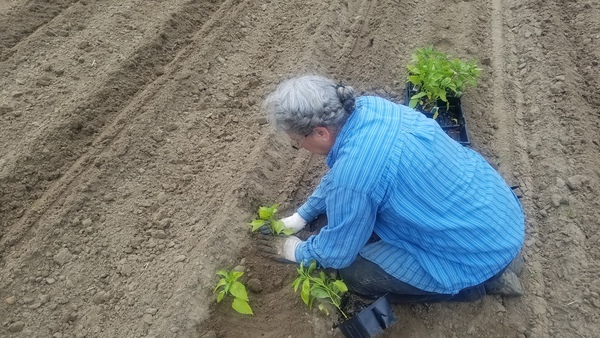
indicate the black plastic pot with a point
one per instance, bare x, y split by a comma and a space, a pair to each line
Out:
450, 117
370, 321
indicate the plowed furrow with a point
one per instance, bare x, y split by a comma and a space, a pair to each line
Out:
50, 152
23, 18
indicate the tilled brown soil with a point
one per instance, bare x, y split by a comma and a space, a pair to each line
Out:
134, 151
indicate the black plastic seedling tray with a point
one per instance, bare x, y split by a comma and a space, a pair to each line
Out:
450, 117
372, 320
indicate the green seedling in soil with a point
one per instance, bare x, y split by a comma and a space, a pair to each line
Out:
266, 217
436, 76
229, 285
314, 284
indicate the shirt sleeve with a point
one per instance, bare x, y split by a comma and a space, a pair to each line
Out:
315, 204
351, 218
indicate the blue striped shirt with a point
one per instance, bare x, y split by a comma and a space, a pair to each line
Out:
446, 218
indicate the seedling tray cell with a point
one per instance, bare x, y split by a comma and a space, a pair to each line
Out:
458, 133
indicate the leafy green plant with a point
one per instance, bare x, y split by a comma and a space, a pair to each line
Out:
436, 75
315, 285
229, 285
266, 217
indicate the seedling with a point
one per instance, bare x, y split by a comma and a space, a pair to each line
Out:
229, 285
326, 289
266, 217
436, 76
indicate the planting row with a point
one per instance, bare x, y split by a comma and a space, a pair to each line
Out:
434, 87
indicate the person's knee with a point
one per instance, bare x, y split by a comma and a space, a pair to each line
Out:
358, 276
349, 277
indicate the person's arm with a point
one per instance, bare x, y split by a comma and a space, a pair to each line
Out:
351, 218
315, 204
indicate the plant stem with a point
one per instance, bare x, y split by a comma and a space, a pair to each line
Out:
341, 311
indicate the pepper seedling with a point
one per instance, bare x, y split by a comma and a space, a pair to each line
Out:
266, 217
436, 75
326, 289
229, 285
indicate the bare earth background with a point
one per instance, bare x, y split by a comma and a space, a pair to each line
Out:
134, 150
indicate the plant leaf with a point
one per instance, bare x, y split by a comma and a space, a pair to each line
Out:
414, 80
242, 306
264, 213
238, 290
222, 273
288, 231
413, 103
340, 285
256, 224
319, 292
296, 283
267, 212
221, 282
305, 292
220, 295
234, 275
443, 96
277, 227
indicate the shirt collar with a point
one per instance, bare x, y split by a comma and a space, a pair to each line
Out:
341, 137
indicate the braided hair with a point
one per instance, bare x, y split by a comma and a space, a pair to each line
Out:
346, 95
300, 104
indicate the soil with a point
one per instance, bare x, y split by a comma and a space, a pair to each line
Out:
135, 150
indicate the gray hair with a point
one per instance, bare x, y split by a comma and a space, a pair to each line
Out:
300, 104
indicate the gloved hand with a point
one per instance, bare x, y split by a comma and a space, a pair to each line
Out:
294, 222
279, 248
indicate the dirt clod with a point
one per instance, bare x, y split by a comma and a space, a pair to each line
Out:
63, 256
16, 327
255, 285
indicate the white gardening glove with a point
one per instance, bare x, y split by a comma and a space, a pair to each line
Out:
294, 222
279, 248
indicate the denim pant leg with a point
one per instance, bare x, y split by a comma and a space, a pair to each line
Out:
367, 279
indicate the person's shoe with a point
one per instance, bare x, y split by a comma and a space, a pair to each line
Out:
507, 285
517, 265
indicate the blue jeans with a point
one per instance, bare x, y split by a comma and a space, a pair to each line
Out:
367, 279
